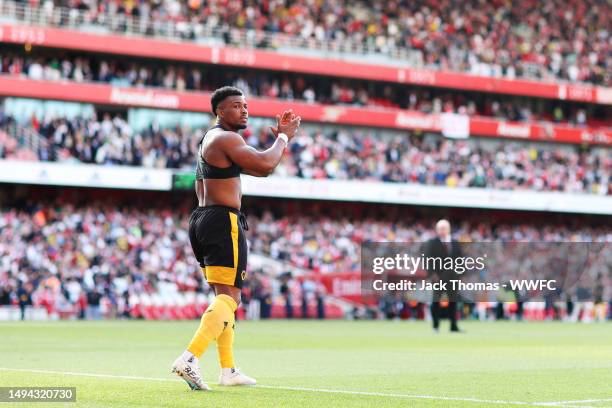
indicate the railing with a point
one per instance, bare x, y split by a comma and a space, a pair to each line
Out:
203, 33
32, 140
28, 138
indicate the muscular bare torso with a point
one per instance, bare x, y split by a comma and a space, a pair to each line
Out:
226, 192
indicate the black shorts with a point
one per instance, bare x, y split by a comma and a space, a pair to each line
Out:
217, 238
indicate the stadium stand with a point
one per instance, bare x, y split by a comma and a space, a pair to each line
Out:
122, 72
77, 251
488, 101
335, 154
554, 40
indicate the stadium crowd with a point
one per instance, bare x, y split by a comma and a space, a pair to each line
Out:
331, 243
58, 254
335, 154
346, 154
101, 261
310, 89
554, 39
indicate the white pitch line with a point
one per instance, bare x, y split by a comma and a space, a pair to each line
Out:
563, 403
414, 396
123, 377
316, 390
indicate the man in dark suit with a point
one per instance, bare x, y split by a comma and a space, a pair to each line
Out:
443, 246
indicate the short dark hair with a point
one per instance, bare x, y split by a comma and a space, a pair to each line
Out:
220, 94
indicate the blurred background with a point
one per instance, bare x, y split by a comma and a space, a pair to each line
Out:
494, 115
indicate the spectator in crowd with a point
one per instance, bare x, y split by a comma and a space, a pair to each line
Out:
6, 295
24, 294
94, 295
320, 297
285, 291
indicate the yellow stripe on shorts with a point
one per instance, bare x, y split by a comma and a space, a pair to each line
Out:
224, 274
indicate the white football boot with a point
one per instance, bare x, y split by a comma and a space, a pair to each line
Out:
233, 376
189, 370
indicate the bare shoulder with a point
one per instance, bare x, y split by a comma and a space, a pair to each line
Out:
226, 138
220, 138
216, 135
228, 135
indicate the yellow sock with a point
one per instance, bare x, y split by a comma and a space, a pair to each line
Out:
216, 318
225, 345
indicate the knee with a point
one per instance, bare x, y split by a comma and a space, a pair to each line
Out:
228, 290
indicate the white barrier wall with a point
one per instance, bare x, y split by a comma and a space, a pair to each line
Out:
87, 175
13, 313
84, 175
416, 194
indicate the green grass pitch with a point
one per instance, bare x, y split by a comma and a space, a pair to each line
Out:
318, 364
